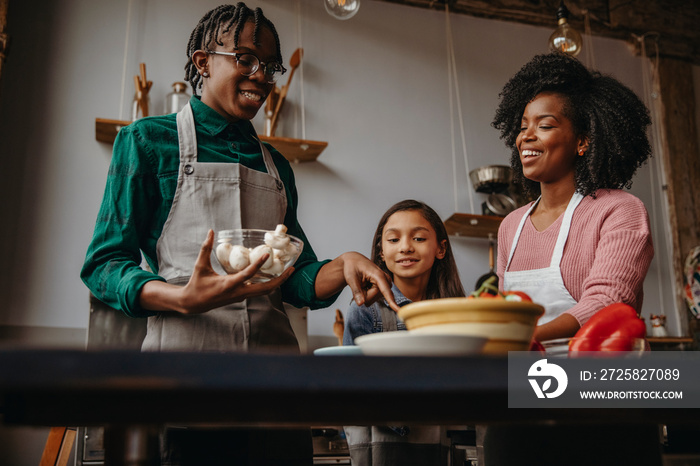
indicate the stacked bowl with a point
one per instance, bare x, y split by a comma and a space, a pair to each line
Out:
507, 325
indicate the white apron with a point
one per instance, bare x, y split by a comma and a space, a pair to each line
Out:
544, 286
220, 196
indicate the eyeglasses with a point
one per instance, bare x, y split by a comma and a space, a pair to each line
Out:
248, 64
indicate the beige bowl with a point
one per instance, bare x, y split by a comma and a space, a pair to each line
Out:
508, 325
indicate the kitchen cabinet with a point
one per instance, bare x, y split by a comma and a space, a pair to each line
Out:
294, 150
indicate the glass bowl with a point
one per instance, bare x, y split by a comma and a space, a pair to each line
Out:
236, 249
575, 347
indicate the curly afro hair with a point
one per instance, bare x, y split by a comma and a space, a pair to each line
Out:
612, 118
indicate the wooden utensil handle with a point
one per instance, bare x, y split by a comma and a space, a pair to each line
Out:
142, 69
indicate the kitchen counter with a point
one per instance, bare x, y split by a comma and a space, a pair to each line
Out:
94, 388
123, 389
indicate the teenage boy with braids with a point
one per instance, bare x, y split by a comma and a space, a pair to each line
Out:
174, 179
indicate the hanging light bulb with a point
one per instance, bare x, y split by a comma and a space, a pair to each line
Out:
342, 9
565, 38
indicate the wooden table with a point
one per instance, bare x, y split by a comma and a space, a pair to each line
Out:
126, 389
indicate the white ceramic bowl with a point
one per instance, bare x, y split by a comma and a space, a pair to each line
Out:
251, 239
508, 325
404, 343
338, 351
622, 346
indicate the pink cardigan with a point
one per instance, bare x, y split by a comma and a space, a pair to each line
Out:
606, 256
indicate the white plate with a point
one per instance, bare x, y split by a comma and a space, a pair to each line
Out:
404, 343
338, 351
558, 348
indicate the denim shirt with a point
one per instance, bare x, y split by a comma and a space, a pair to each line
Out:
361, 320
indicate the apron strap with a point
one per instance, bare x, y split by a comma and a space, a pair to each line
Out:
270, 165
188, 136
564, 229
267, 158
388, 317
518, 231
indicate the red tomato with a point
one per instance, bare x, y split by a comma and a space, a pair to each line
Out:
517, 296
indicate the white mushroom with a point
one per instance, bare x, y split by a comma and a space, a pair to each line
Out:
239, 258
275, 269
276, 242
282, 255
277, 239
259, 251
222, 252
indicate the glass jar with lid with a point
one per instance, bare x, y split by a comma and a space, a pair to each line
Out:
177, 99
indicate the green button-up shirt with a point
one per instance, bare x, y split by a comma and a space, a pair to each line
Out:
140, 188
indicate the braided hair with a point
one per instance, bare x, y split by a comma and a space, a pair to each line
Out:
603, 110
444, 281
219, 21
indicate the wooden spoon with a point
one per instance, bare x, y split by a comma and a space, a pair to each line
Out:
143, 86
293, 63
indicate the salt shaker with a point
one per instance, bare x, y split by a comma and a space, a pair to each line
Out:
177, 98
658, 326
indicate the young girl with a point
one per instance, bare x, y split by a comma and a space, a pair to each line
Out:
411, 245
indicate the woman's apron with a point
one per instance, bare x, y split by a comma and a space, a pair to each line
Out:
545, 286
508, 445
220, 196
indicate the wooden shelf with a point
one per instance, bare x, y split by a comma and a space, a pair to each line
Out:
476, 226
106, 130
294, 150
670, 340
670, 343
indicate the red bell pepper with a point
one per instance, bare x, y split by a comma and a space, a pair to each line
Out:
537, 346
613, 328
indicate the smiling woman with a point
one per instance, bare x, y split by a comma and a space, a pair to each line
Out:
577, 137
547, 142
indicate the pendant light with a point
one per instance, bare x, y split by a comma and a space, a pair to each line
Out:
565, 38
342, 9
